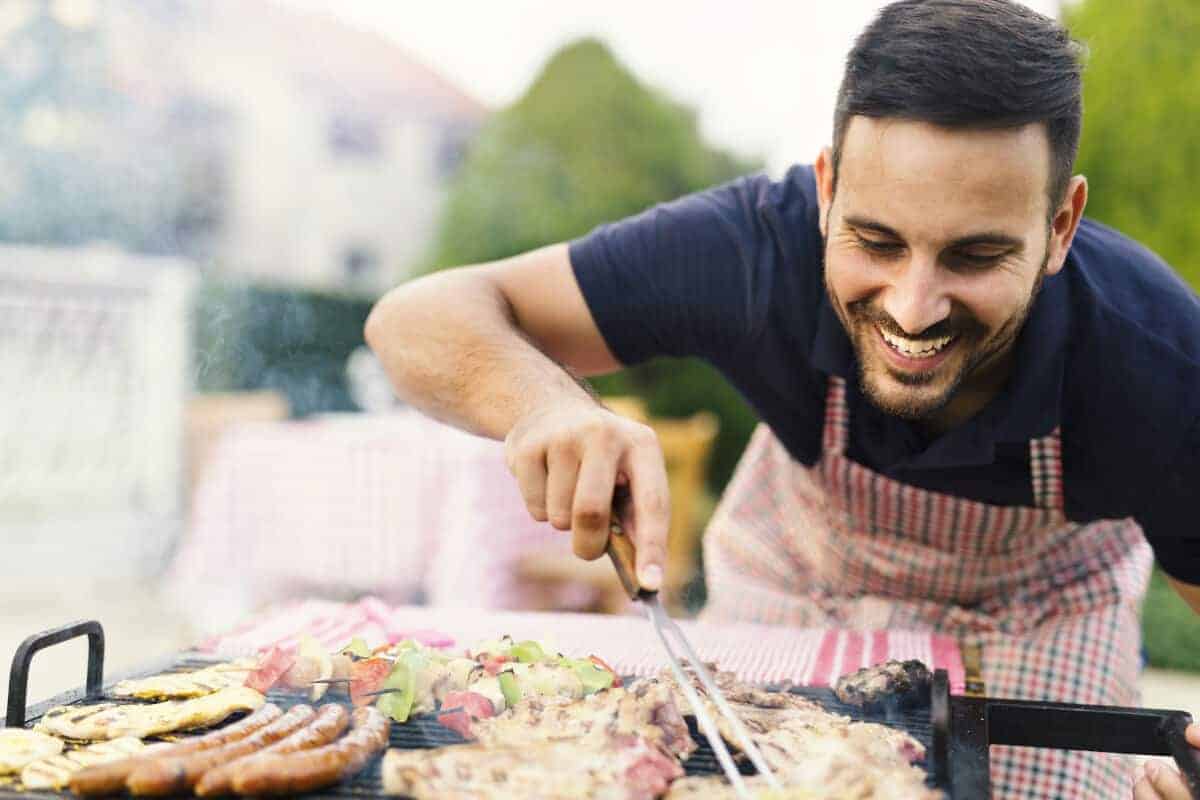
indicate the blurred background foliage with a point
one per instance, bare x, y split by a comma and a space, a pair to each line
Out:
1141, 97
587, 144
1140, 154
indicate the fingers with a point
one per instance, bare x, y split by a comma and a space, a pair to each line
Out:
562, 472
1192, 734
651, 507
1142, 790
593, 499
528, 466
1166, 782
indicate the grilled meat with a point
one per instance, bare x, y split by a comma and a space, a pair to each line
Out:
617, 768
169, 775
105, 779
646, 710
289, 774
781, 722
900, 682
328, 725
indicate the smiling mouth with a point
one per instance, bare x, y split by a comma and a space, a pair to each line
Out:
916, 349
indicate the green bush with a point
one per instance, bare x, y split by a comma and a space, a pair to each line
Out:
1139, 149
293, 341
1170, 629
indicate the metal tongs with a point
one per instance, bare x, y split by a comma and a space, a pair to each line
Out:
621, 550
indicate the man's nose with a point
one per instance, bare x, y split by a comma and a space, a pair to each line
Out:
916, 298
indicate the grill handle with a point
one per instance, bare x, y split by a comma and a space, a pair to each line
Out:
18, 677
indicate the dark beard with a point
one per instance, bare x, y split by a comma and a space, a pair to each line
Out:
859, 317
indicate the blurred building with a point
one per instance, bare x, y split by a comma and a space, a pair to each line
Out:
257, 140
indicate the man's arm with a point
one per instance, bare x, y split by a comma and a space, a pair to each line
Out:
1188, 592
481, 347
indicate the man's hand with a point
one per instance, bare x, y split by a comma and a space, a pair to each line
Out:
569, 457
1163, 782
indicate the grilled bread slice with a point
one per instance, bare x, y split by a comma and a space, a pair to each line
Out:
55, 772
111, 721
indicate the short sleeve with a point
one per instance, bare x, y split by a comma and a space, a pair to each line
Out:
688, 278
1171, 520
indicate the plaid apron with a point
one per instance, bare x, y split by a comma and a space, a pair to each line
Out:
1054, 605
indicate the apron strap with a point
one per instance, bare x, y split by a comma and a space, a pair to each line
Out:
837, 418
1045, 470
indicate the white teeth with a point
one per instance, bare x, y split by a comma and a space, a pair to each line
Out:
913, 348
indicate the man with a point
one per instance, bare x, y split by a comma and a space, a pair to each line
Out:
980, 411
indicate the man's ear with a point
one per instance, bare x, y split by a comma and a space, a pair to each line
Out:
1065, 223
823, 167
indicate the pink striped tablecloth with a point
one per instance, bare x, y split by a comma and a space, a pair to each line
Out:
757, 653
393, 505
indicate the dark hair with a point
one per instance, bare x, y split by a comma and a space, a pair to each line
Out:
968, 63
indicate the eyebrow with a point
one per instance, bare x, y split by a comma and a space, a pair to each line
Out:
994, 238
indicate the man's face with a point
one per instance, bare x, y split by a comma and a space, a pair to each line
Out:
935, 243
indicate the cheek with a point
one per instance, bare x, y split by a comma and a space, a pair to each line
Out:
851, 275
993, 303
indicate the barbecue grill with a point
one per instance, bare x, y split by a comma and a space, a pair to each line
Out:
956, 730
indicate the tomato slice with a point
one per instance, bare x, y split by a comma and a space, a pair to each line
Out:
492, 664
472, 703
457, 721
367, 675
271, 667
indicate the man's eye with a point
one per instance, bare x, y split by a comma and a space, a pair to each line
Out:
883, 248
976, 260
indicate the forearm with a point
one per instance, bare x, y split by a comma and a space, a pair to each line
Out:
1189, 592
452, 348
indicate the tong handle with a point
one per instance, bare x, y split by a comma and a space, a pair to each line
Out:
624, 558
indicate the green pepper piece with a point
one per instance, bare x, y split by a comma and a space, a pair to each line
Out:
509, 688
593, 678
357, 648
398, 705
527, 652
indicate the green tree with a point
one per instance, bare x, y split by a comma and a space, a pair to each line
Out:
588, 143
1141, 99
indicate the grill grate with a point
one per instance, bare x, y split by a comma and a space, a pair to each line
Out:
423, 732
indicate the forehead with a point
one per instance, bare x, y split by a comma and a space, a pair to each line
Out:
926, 180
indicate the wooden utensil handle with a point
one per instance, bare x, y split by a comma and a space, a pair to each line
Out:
624, 557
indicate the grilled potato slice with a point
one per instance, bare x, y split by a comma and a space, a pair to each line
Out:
55, 772
110, 721
19, 747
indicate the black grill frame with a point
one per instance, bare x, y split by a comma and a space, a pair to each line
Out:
422, 731
957, 731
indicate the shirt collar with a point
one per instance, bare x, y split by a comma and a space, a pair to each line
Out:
1028, 407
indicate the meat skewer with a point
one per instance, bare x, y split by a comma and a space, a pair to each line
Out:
329, 724
307, 770
163, 776
104, 779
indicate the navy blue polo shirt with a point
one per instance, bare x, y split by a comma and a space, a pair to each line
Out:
1110, 353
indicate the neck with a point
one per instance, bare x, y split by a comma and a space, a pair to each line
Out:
972, 396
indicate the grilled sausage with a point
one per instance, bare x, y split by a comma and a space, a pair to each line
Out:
110, 778
159, 777
315, 769
330, 721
